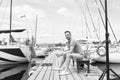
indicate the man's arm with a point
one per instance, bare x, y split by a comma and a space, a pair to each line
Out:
72, 45
69, 51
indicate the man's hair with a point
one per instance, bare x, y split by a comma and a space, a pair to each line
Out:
67, 32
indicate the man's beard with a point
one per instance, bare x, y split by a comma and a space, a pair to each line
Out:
68, 39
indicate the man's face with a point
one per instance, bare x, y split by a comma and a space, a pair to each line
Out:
68, 36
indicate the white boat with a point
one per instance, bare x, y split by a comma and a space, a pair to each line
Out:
114, 55
14, 53
113, 58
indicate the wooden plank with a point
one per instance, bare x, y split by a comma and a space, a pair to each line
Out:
63, 77
93, 75
70, 77
52, 72
82, 74
73, 72
35, 74
52, 75
43, 71
48, 72
56, 73
96, 73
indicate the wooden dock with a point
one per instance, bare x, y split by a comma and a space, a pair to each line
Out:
47, 73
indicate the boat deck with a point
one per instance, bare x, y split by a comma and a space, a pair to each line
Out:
47, 73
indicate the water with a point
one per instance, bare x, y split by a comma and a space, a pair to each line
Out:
20, 72
14, 72
114, 67
17, 71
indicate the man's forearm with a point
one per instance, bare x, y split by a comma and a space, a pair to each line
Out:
66, 52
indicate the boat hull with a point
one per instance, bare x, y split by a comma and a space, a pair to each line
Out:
113, 58
14, 54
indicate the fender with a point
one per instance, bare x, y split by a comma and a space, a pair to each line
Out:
98, 51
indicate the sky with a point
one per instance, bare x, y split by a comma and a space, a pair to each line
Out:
56, 16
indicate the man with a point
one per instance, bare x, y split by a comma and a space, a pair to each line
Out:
74, 51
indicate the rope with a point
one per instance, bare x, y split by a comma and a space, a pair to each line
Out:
3, 14
86, 21
100, 15
109, 22
1, 2
91, 19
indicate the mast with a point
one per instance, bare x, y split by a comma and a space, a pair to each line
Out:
99, 29
36, 28
10, 20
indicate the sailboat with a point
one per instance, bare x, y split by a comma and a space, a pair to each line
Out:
114, 49
12, 53
114, 53
99, 53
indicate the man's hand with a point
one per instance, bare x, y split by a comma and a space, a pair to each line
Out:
59, 54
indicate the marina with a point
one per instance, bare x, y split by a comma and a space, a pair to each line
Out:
46, 72
59, 40
22, 70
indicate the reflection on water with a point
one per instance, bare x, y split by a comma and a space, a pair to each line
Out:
20, 71
14, 72
17, 71
114, 67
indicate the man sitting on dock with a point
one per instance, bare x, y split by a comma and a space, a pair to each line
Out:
74, 51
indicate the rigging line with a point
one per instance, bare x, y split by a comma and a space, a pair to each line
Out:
86, 21
101, 15
82, 23
92, 19
87, 24
3, 15
10, 18
108, 21
1, 2
36, 25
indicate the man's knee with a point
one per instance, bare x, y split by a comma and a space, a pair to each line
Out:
69, 55
63, 56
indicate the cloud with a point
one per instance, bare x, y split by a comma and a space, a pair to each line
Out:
70, 1
4, 27
64, 11
54, 17
28, 11
23, 16
25, 9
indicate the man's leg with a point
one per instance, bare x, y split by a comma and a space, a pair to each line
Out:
69, 56
67, 61
62, 60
